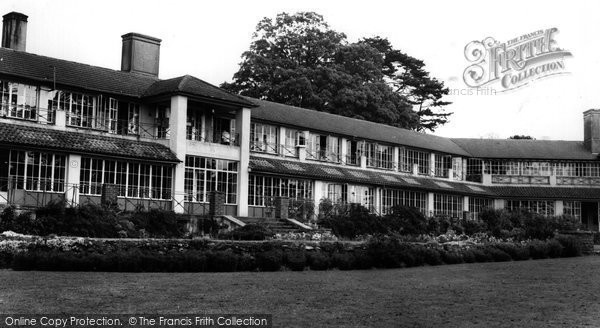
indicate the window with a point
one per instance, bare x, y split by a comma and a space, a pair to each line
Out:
136, 180
203, 175
162, 122
262, 189
293, 138
195, 125
263, 138
442, 164
410, 157
37, 171
378, 156
224, 131
477, 205
474, 169
572, 208
80, 108
19, 100
393, 197
578, 169
543, 207
518, 168
449, 205
352, 152
323, 148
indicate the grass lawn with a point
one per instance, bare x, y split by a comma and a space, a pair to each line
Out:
543, 293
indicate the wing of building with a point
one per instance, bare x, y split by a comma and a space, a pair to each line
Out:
81, 134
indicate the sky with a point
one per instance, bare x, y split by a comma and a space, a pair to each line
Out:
206, 40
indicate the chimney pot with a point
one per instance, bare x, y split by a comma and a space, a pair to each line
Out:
140, 54
14, 31
591, 130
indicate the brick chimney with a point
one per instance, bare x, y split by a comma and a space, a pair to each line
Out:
591, 130
14, 31
141, 54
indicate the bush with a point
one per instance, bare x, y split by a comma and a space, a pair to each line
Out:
248, 232
496, 254
496, 221
406, 220
319, 261
362, 260
474, 226
343, 261
571, 246
555, 249
516, 252
481, 255
157, 223
269, 260
452, 257
468, 256
295, 260
539, 249
222, 261
431, 256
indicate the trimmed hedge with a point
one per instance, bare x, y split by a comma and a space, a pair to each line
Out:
379, 252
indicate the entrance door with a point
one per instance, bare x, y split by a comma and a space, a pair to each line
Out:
589, 215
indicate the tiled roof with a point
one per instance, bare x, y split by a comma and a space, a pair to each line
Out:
547, 192
82, 143
190, 85
43, 69
525, 149
370, 177
40, 68
321, 121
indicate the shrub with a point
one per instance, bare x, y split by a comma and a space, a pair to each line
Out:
572, 246
319, 261
222, 261
248, 232
431, 256
496, 254
343, 261
538, 227
295, 260
468, 256
269, 260
362, 260
481, 255
387, 252
516, 252
474, 226
406, 220
452, 257
157, 223
555, 249
539, 249
496, 221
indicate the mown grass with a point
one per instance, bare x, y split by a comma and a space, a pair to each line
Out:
542, 293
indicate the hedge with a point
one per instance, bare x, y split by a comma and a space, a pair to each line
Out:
382, 252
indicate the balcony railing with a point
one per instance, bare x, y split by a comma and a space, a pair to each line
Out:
323, 155
506, 179
578, 181
28, 113
120, 127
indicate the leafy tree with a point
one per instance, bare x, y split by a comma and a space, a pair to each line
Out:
299, 60
517, 136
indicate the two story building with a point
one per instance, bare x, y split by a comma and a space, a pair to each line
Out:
68, 129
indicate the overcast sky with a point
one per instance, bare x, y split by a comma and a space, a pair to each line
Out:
206, 39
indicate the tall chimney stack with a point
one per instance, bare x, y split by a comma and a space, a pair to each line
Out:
14, 31
591, 130
140, 54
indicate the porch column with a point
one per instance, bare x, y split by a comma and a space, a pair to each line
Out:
281, 151
430, 204
431, 164
178, 144
395, 160
242, 127
559, 208
72, 183
466, 205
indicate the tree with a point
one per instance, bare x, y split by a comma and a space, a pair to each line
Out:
517, 136
299, 60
